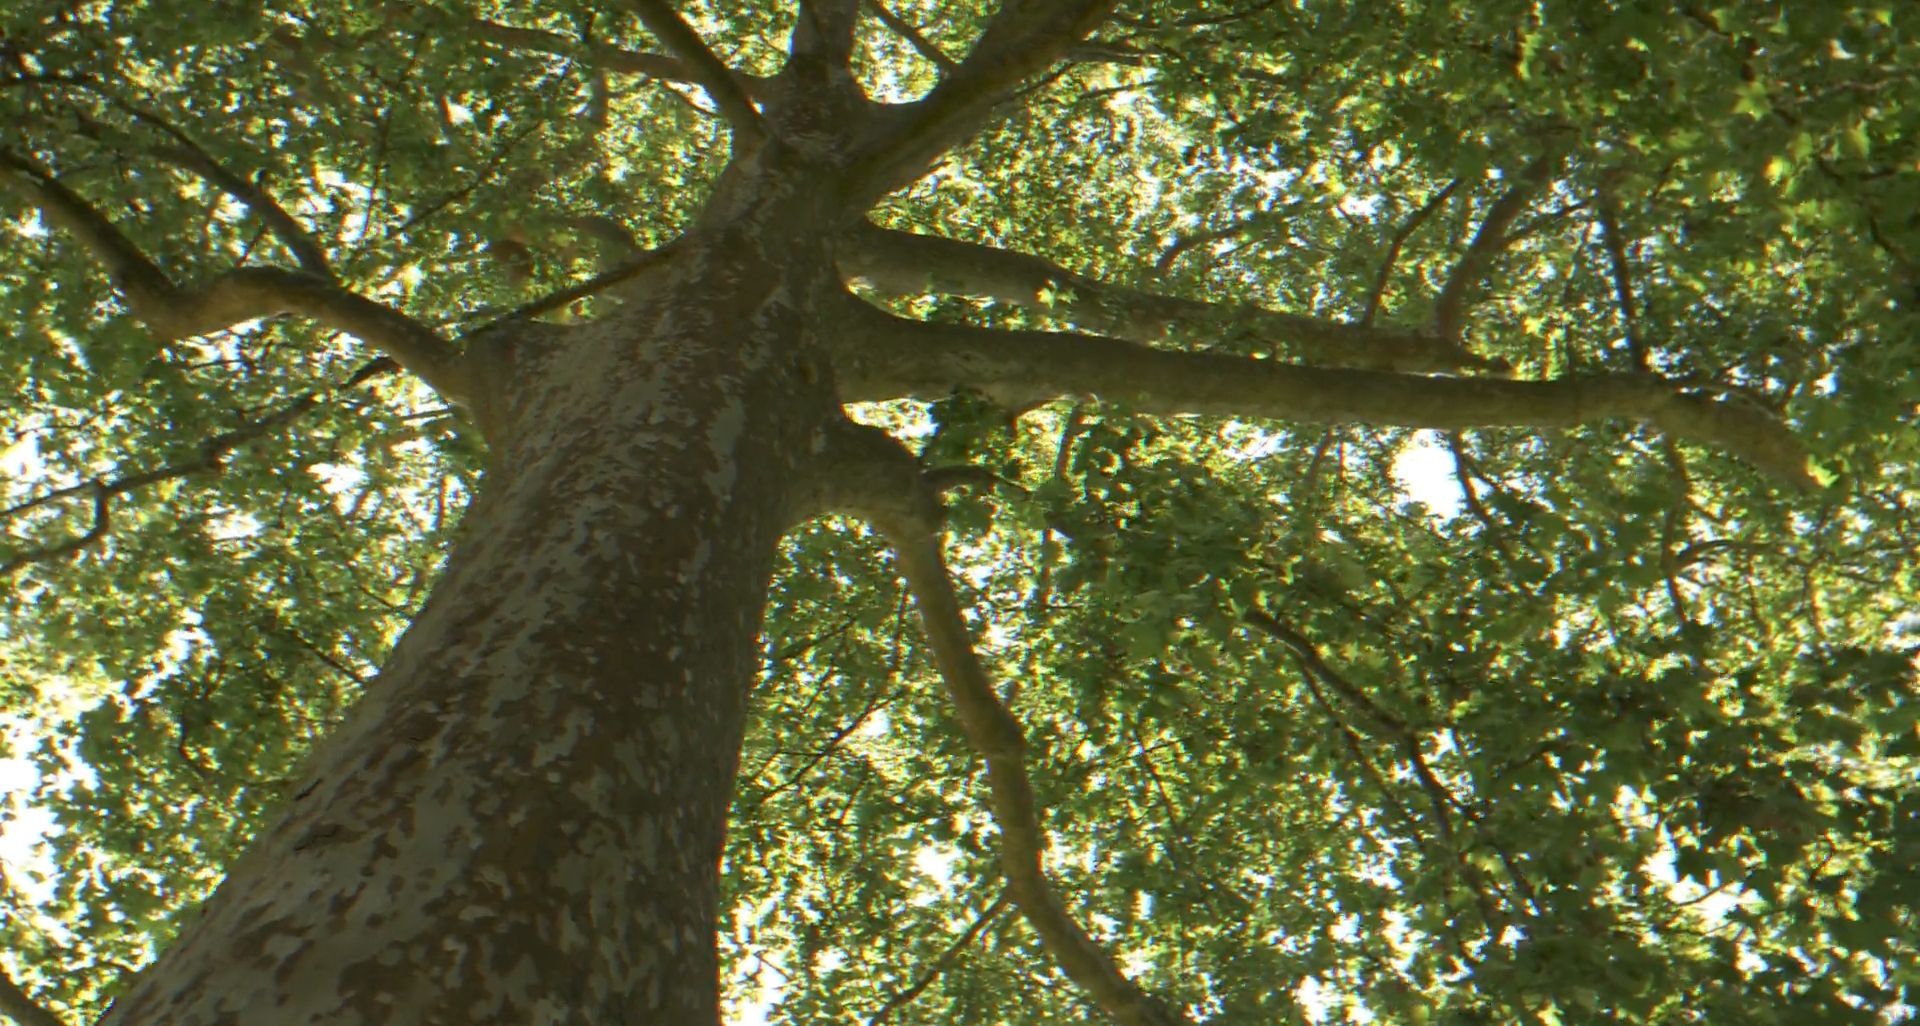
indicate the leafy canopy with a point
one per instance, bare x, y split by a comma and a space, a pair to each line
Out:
1615, 730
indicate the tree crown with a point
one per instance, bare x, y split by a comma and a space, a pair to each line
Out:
1616, 724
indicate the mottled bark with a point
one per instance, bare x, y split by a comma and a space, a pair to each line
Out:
522, 820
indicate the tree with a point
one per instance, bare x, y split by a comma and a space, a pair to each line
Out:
1138, 307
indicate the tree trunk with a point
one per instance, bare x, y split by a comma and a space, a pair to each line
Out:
521, 822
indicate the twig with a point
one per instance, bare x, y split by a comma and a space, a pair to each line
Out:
326, 657
833, 745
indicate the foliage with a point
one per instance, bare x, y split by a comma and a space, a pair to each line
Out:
1627, 736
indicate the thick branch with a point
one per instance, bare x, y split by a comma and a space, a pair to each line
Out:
1023, 39
870, 475
1449, 315
906, 264
241, 295
886, 357
704, 67
18, 1005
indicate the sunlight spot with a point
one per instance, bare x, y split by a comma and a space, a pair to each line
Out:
936, 862
1425, 473
21, 460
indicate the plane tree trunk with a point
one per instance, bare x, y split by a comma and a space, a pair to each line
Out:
522, 820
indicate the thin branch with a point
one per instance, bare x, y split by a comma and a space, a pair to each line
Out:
915, 38
1420, 217
1042, 594
839, 737
796, 649
1608, 206
1351, 739
617, 245
18, 1005
1464, 471
1023, 39
907, 264
875, 477
879, 356
241, 295
1378, 718
1186, 243
1672, 526
946, 479
940, 964
704, 67
495, 162
308, 252
638, 265
1439, 796
146, 288
604, 55
1488, 242
209, 457
190, 155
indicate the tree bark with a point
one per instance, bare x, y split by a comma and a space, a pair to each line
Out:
521, 821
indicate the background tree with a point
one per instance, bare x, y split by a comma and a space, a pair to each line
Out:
1211, 723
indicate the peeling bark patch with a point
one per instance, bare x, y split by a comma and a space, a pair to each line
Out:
724, 437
